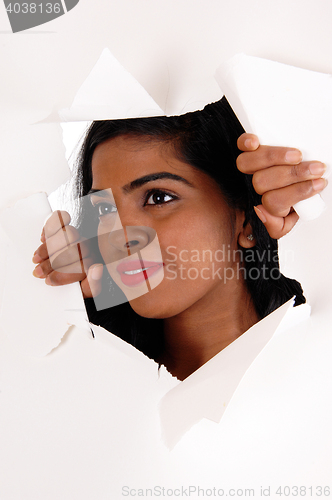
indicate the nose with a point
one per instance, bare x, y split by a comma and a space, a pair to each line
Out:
131, 239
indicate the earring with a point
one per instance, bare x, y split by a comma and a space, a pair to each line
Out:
250, 237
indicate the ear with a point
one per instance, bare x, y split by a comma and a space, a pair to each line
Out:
246, 237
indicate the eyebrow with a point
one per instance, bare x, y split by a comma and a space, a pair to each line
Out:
131, 186
97, 192
153, 177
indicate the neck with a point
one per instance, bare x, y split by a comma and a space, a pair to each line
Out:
199, 333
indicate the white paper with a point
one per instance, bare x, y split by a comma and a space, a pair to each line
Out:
33, 315
284, 106
207, 392
32, 159
110, 92
81, 423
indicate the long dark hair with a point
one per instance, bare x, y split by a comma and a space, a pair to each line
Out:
206, 140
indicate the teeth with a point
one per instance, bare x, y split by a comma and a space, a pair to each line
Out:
136, 271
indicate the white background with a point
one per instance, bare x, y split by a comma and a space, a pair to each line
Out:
68, 431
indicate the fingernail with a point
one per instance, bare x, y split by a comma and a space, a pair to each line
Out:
317, 168
319, 184
36, 259
97, 272
294, 156
42, 237
260, 215
251, 143
38, 272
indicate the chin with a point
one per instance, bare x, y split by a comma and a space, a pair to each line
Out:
146, 307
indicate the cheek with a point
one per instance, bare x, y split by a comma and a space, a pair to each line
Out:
195, 266
201, 253
195, 240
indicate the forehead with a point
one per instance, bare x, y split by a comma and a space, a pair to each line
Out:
122, 159
128, 151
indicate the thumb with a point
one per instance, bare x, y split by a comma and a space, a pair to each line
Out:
276, 226
91, 285
248, 142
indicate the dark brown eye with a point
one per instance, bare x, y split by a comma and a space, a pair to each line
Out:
105, 209
159, 198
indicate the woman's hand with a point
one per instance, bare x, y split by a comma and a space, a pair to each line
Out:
280, 176
64, 257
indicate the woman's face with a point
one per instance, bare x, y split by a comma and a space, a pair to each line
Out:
146, 186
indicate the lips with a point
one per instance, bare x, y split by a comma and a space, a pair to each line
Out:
136, 272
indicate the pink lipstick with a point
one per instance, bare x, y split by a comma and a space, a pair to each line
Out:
135, 272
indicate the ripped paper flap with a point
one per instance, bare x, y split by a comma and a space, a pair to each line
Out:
32, 159
284, 106
110, 92
207, 392
34, 316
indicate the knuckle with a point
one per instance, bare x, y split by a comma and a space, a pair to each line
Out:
56, 278
272, 203
298, 172
258, 182
241, 162
42, 251
272, 155
293, 171
304, 189
46, 267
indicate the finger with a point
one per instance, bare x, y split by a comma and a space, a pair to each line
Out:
69, 274
267, 156
248, 142
73, 253
60, 240
281, 176
91, 285
55, 222
279, 201
65, 256
78, 267
277, 227
56, 278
